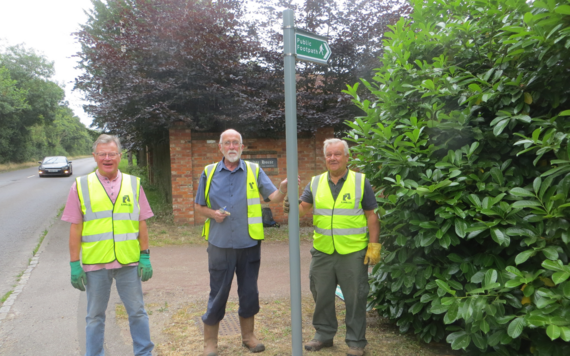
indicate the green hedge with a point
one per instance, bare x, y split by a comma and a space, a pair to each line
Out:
465, 135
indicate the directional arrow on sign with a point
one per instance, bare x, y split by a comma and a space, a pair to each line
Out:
311, 47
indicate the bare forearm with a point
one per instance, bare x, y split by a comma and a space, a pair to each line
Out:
205, 211
75, 241
277, 196
143, 235
373, 225
304, 208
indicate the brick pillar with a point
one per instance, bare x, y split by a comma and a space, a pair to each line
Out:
181, 176
320, 136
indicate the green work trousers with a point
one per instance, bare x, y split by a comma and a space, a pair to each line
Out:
350, 272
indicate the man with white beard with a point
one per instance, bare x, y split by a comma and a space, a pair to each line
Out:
229, 195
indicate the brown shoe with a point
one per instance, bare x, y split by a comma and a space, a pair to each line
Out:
355, 351
316, 345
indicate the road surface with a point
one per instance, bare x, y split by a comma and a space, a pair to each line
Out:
28, 206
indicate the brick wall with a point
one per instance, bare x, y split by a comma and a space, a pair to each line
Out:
190, 152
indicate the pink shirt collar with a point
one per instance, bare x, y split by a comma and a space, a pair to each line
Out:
103, 178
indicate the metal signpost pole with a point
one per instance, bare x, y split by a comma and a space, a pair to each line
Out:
292, 172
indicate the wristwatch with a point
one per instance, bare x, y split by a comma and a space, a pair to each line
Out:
146, 252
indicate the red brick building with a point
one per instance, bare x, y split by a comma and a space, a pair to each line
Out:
191, 151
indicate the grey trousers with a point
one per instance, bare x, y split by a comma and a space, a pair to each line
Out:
350, 272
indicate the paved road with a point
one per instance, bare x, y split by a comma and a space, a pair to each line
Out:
28, 206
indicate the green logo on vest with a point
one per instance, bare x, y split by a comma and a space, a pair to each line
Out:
346, 198
251, 185
126, 200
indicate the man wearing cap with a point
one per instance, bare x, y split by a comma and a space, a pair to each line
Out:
345, 240
107, 210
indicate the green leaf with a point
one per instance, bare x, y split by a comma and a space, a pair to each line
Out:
553, 265
560, 277
513, 283
496, 337
461, 342
550, 252
451, 314
525, 204
523, 256
566, 289
564, 10
484, 326
516, 327
553, 332
490, 277
479, 341
499, 237
521, 192
460, 227
443, 285
565, 113
497, 176
500, 127
565, 333
536, 184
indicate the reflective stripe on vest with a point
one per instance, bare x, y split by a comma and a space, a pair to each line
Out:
254, 216
340, 225
110, 231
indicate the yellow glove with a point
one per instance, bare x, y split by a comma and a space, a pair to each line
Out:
373, 253
286, 205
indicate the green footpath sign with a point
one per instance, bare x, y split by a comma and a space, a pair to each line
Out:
311, 47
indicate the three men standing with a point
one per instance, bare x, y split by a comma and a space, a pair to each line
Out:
107, 210
229, 195
345, 240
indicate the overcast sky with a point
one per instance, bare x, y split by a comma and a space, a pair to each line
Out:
46, 26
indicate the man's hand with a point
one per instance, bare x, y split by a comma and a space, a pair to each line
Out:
373, 253
78, 276
144, 269
219, 216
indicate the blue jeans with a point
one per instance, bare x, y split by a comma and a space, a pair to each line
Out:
130, 290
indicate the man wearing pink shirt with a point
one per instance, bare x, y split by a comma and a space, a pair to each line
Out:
107, 211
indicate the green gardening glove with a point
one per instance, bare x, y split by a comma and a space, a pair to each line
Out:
78, 276
144, 268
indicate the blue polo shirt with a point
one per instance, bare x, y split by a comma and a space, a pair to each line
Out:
228, 188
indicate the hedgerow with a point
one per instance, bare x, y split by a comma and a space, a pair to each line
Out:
467, 142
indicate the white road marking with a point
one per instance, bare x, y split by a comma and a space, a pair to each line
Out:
32, 176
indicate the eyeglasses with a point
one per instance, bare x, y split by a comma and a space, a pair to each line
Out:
107, 154
232, 143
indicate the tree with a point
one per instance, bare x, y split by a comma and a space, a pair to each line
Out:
355, 30
150, 63
12, 104
31, 108
468, 137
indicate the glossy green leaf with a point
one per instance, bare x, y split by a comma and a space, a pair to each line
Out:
553, 332
516, 327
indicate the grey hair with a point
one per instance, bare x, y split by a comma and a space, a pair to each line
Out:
334, 141
104, 138
222, 134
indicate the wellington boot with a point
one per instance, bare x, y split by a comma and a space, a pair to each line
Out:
247, 335
211, 339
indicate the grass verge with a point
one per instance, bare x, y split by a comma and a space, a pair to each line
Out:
273, 328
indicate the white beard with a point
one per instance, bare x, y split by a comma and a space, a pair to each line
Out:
233, 158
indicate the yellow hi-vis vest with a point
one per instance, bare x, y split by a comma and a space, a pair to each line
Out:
110, 231
340, 225
254, 219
